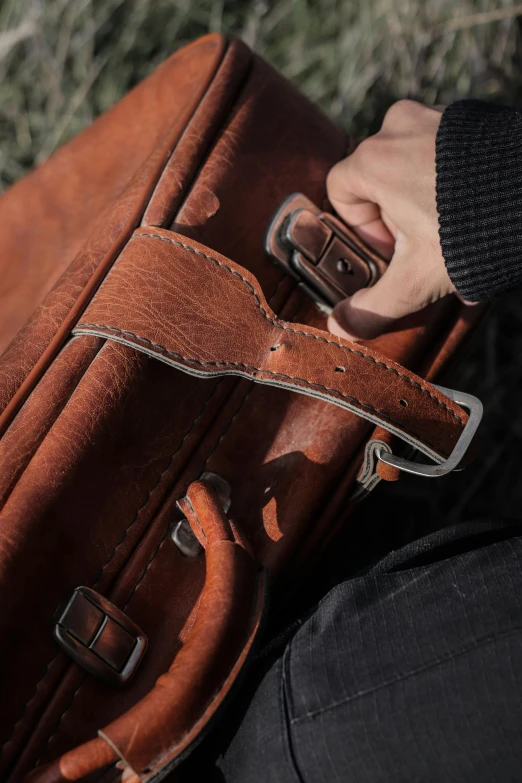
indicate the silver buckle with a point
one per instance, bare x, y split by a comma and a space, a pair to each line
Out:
475, 408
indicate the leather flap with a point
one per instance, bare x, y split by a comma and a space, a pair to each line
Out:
185, 305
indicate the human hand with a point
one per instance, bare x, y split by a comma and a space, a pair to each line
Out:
386, 191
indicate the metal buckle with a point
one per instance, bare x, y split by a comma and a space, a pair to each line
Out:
474, 406
330, 261
100, 637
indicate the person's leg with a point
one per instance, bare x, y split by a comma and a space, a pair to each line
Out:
409, 672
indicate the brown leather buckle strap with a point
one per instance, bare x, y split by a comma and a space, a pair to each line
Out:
190, 307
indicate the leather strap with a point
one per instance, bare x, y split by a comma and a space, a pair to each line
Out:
190, 307
160, 730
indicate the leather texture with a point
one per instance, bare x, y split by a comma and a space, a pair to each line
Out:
156, 732
130, 156
176, 301
101, 441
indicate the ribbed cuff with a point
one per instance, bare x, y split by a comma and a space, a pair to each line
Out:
479, 197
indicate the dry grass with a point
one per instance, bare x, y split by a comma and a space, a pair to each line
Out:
62, 62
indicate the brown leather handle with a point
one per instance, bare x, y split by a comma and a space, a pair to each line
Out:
185, 305
156, 734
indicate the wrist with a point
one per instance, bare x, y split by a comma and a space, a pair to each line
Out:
479, 197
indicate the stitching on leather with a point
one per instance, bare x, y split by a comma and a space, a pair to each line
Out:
256, 617
135, 518
142, 577
229, 424
286, 328
116, 749
56, 725
100, 573
248, 392
283, 375
33, 695
309, 383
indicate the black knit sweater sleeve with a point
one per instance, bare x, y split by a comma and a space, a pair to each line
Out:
479, 197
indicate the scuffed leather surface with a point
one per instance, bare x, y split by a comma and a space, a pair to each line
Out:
181, 169
29, 429
201, 312
77, 210
276, 142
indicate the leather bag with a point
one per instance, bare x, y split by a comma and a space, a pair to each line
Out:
176, 423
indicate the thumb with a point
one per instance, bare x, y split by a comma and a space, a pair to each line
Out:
370, 311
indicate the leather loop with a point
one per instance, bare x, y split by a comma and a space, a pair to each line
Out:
217, 526
183, 304
158, 732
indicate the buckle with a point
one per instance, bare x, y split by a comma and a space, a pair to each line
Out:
100, 637
330, 261
475, 409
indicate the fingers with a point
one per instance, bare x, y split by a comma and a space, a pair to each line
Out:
378, 235
386, 191
350, 195
369, 312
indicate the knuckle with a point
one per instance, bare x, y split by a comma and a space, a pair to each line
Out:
336, 180
351, 170
365, 153
335, 175
401, 111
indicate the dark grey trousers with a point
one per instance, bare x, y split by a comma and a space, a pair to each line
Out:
411, 671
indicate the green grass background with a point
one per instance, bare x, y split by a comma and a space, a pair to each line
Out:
62, 62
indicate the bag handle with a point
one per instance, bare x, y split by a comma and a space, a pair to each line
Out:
160, 730
174, 299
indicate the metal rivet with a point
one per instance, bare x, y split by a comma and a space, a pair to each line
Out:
185, 540
343, 266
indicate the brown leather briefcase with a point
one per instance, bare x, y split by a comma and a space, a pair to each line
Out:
176, 423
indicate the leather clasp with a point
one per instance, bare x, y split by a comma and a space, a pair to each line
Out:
100, 637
